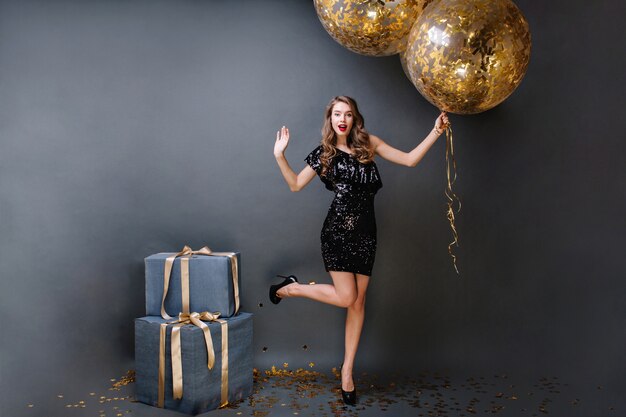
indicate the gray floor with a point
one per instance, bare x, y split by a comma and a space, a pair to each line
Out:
309, 392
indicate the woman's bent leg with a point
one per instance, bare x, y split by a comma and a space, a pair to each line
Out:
354, 324
349, 291
342, 294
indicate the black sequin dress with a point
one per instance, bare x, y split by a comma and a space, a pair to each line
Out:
349, 232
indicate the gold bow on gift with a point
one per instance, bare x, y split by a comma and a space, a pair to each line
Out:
185, 255
196, 319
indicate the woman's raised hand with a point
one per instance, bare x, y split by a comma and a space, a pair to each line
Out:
441, 123
282, 140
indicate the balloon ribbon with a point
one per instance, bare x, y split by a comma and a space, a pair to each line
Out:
452, 197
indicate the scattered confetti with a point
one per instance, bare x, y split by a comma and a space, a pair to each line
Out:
309, 392
125, 380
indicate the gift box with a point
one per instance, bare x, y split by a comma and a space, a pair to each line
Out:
201, 389
211, 284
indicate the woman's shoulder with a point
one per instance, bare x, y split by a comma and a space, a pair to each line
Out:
313, 159
374, 141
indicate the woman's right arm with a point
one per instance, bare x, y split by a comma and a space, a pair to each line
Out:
295, 182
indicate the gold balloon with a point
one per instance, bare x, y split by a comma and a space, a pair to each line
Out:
370, 27
403, 62
467, 56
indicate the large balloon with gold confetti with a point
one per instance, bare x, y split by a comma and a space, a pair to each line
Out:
467, 56
370, 27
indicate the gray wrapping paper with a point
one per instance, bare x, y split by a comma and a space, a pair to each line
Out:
201, 386
210, 285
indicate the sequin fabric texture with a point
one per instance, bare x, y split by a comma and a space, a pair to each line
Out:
349, 232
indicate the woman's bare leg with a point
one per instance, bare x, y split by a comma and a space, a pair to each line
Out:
349, 291
342, 294
354, 324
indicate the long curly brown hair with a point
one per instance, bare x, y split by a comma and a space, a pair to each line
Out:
358, 138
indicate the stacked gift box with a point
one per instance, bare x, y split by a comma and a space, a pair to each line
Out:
193, 350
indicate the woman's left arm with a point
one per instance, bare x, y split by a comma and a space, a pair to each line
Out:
410, 159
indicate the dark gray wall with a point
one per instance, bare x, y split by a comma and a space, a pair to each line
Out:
134, 127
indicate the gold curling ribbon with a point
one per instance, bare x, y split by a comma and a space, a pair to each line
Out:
452, 197
185, 255
195, 319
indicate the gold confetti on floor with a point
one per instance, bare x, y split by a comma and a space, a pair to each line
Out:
309, 392
312, 393
125, 380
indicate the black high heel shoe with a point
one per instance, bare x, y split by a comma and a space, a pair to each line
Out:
349, 397
274, 298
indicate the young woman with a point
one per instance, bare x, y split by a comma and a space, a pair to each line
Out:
345, 163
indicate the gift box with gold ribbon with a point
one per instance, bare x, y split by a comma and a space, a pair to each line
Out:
200, 280
215, 355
